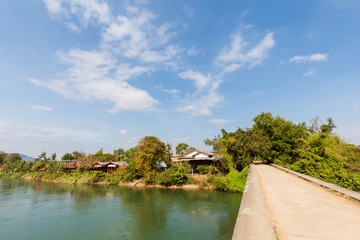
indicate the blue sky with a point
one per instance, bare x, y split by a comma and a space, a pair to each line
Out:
86, 74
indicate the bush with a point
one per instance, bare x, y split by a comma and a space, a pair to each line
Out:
212, 170
166, 178
201, 169
173, 176
233, 182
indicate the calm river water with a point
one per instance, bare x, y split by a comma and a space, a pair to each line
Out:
39, 210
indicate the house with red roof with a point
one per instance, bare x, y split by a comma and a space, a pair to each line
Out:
197, 157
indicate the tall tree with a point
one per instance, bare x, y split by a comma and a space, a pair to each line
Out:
119, 153
151, 151
181, 148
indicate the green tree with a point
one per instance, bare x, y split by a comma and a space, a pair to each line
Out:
67, 156
119, 153
53, 156
130, 154
13, 162
181, 148
237, 149
151, 151
283, 137
101, 151
168, 154
2, 157
43, 157
78, 155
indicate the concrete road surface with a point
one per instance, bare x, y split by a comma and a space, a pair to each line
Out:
301, 210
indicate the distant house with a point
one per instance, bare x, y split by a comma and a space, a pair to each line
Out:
109, 166
162, 166
197, 157
70, 166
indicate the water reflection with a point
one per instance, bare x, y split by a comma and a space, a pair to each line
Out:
112, 212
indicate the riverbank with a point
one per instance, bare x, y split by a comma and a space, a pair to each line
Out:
233, 182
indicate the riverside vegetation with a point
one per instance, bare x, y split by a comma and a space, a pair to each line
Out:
310, 149
143, 164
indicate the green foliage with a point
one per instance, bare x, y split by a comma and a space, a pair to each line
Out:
233, 182
283, 136
151, 151
181, 148
201, 169
67, 156
2, 157
119, 153
173, 176
237, 149
212, 170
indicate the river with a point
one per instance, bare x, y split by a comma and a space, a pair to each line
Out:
41, 210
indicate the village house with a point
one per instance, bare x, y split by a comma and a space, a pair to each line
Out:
96, 166
196, 158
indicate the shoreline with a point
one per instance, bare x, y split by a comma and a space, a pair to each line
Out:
135, 184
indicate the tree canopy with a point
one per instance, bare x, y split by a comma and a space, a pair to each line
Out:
151, 151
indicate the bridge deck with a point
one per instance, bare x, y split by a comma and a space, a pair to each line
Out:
301, 210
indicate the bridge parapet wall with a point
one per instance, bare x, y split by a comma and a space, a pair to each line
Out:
253, 221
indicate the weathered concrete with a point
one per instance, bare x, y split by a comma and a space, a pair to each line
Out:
253, 220
354, 195
302, 210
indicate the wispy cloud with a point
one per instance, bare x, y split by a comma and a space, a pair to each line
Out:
134, 36
199, 79
201, 105
131, 141
309, 58
230, 59
257, 93
173, 92
219, 121
78, 13
239, 52
310, 73
40, 108
21, 131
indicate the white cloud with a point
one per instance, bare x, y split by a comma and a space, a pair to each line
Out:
40, 108
200, 79
309, 58
97, 75
131, 141
124, 132
199, 106
85, 11
173, 92
310, 73
230, 68
192, 51
218, 121
134, 36
104, 127
239, 53
24, 131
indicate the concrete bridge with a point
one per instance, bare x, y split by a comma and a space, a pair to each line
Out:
285, 205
